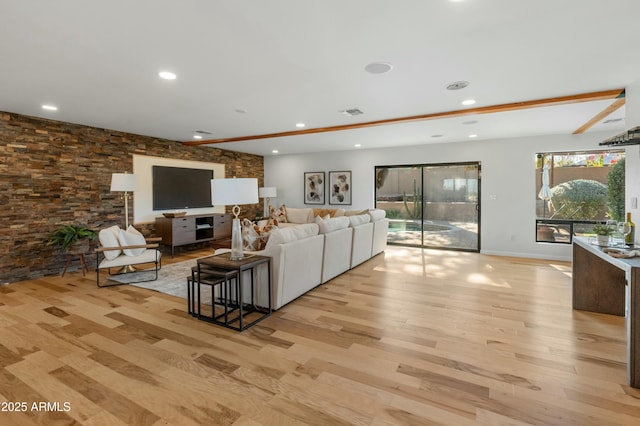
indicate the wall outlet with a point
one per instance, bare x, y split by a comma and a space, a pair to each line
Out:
634, 202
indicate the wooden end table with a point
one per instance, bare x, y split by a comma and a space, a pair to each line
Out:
237, 307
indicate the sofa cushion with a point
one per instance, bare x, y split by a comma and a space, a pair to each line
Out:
355, 212
285, 235
333, 224
360, 219
132, 237
304, 215
109, 238
377, 214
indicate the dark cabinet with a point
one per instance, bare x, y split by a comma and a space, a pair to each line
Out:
179, 231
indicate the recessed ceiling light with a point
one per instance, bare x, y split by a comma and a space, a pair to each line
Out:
457, 85
466, 123
357, 145
473, 136
300, 125
167, 75
468, 102
275, 151
50, 107
378, 67
197, 136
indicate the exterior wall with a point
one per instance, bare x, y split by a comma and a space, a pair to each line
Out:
55, 173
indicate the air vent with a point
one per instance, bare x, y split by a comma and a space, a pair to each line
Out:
612, 120
351, 112
457, 85
203, 132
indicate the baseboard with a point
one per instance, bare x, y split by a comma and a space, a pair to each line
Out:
526, 255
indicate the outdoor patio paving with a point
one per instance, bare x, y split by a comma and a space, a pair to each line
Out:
437, 234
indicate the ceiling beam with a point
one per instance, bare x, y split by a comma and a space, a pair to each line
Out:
601, 116
514, 106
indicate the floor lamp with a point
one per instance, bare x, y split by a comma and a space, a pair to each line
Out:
234, 192
267, 192
124, 182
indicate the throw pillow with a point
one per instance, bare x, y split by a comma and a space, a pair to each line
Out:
254, 237
319, 219
132, 237
279, 215
109, 238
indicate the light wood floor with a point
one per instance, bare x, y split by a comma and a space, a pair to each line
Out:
411, 337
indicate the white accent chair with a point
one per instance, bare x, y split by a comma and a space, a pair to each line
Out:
123, 250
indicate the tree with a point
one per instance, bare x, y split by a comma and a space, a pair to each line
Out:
580, 199
615, 185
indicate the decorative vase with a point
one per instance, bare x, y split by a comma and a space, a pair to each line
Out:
603, 240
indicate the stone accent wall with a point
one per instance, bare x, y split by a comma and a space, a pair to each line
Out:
55, 173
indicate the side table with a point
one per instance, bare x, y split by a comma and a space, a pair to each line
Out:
239, 310
83, 262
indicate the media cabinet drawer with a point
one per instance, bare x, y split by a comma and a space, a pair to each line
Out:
222, 226
183, 230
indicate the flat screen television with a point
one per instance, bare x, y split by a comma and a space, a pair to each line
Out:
181, 188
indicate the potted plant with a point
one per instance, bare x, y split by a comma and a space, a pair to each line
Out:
602, 233
68, 236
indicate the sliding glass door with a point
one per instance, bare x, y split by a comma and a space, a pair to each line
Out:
435, 205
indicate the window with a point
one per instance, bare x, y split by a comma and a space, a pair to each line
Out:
575, 190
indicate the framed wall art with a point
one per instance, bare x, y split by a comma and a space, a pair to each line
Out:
314, 187
340, 188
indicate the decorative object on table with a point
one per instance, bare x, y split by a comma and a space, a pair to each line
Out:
267, 193
621, 253
314, 187
340, 188
124, 182
603, 232
68, 237
174, 214
234, 192
629, 230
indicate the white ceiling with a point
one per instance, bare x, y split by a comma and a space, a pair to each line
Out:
289, 61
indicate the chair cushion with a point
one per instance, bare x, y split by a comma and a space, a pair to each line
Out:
148, 256
109, 238
132, 237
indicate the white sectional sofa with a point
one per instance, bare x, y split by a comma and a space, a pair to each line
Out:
306, 254
338, 237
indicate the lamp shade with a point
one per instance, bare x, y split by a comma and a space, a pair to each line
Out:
267, 192
234, 191
123, 182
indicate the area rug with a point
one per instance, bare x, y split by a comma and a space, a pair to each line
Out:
172, 279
